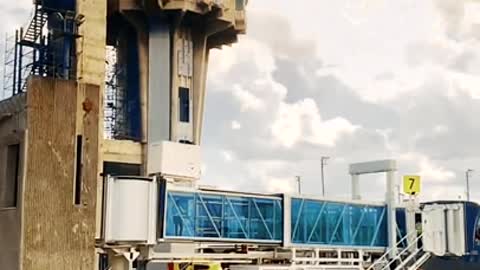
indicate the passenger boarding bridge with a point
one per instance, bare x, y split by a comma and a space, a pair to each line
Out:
237, 217
182, 224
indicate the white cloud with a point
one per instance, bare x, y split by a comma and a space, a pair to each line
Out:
236, 125
440, 129
287, 128
248, 101
264, 174
359, 11
279, 185
428, 169
461, 82
221, 61
228, 155
433, 172
301, 122
203, 169
326, 133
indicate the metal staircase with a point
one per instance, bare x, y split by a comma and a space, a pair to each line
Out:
32, 42
35, 29
411, 257
25, 52
33, 37
35, 51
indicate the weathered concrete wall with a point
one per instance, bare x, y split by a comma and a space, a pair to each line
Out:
91, 45
12, 126
57, 234
91, 51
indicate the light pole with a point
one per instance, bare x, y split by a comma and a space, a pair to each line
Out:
299, 184
324, 163
467, 177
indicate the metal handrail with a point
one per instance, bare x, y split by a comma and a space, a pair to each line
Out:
422, 260
390, 250
408, 259
403, 252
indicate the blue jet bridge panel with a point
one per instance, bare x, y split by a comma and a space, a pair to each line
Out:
223, 217
237, 217
317, 222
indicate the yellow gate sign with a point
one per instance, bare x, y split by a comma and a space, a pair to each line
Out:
411, 184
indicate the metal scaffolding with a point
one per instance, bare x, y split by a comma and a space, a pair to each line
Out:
9, 66
116, 111
121, 99
44, 48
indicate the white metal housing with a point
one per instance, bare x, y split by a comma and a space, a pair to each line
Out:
130, 210
175, 160
444, 229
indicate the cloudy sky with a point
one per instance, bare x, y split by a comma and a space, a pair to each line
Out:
355, 80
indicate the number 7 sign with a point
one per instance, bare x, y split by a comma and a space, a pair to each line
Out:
411, 184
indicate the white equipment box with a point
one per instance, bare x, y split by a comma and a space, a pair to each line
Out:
174, 159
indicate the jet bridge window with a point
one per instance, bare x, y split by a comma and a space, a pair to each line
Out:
184, 104
477, 232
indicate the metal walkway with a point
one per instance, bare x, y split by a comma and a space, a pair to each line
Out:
216, 216
296, 222
317, 222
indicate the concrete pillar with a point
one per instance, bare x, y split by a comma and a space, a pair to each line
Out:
410, 222
118, 262
120, 259
141, 27
287, 222
391, 208
355, 187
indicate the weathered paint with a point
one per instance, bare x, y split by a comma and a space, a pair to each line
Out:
56, 233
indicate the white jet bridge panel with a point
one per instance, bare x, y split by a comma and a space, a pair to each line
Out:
130, 210
444, 229
434, 234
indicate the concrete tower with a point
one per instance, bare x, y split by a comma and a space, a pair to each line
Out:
164, 47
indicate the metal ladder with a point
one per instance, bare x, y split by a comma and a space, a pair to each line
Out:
407, 260
34, 29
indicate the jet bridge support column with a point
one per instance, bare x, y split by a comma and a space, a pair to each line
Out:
391, 207
383, 166
122, 259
